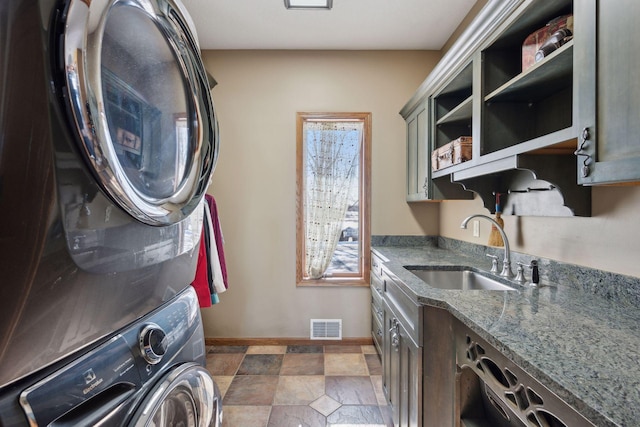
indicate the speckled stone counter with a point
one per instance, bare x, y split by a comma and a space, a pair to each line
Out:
580, 338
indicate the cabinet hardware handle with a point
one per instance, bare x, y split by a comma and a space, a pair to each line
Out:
395, 341
395, 336
584, 137
425, 186
393, 325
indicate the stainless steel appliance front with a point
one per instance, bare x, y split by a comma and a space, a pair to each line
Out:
100, 177
114, 385
140, 102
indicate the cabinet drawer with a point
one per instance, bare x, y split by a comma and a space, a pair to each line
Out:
377, 286
377, 311
376, 266
376, 296
377, 332
404, 308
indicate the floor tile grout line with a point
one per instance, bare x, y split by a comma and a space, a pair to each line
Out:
363, 352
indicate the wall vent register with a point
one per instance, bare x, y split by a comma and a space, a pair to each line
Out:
326, 329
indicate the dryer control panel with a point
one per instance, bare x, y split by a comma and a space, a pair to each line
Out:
116, 375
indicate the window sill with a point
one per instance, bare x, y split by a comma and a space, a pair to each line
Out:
333, 282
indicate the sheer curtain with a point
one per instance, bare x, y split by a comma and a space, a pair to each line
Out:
332, 151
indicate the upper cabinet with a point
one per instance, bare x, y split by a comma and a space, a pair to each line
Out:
543, 128
420, 185
608, 100
526, 105
417, 154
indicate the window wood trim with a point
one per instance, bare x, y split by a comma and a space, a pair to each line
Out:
364, 202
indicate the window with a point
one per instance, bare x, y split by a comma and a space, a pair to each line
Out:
333, 175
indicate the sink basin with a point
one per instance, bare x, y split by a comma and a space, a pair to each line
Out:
461, 279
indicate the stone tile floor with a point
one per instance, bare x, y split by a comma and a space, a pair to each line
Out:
300, 385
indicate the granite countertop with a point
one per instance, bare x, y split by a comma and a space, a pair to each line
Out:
581, 346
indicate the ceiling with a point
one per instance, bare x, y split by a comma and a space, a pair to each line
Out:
349, 25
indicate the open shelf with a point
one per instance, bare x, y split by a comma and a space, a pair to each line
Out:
522, 123
453, 101
460, 83
541, 80
462, 112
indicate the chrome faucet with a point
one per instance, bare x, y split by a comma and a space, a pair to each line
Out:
506, 264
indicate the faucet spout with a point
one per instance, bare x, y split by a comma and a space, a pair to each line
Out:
506, 265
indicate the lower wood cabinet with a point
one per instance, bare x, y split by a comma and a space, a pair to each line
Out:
377, 330
418, 359
403, 373
416, 346
377, 293
402, 357
439, 368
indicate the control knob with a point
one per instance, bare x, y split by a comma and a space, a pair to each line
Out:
153, 343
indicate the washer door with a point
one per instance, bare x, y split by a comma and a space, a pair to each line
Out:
186, 396
139, 96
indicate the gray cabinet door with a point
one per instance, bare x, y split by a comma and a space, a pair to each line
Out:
391, 363
402, 377
417, 155
607, 90
377, 313
420, 185
439, 368
410, 359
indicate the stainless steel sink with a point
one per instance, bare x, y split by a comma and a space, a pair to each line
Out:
459, 279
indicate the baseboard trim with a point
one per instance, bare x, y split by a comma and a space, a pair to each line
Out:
287, 341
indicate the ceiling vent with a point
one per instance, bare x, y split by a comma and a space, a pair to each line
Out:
308, 4
326, 329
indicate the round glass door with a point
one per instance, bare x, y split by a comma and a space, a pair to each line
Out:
140, 98
146, 103
186, 396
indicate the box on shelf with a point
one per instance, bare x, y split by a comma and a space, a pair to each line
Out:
535, 40
457, 151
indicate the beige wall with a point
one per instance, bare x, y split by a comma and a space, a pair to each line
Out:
608, 240
258, 95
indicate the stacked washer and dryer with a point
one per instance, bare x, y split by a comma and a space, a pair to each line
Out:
108, 140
